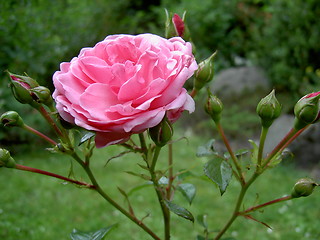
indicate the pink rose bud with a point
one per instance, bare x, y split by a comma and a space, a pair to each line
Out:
306, 110
303, 188
5, 159
11, 119
268, 109
20, 86
213, 107
178, 25
125, 85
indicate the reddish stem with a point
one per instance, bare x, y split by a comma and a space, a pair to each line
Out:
265, 204
50, 174
32, 130
193, 93
47, 116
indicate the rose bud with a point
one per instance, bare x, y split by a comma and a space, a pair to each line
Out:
21, 86
11, 119
205, 72
5, 159
306, 110
268, 109
303, 188
178, 25
162, 133
42, 95
213, 107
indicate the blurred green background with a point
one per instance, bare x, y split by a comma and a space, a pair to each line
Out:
280, 36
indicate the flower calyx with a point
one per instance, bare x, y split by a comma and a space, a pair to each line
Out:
20, 86
5, 159
268, 109
303, 188
162, 133
11, 119
213, 107
205, 72
307, 110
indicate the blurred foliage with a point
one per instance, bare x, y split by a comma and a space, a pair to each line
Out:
280, 36
36, 35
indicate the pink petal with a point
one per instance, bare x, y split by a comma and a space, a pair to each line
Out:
104, 139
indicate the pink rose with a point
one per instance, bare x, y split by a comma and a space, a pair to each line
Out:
125, 84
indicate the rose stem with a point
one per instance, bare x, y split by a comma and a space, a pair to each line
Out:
36, 132
233, 156
46, 115
34, 170
170, 177
164, 209
97, 187
285, 198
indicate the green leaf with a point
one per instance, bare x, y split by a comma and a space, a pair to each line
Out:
188, 190
206, 150
219, 171
183, 174
202, 220
180, 211
96, 235
86, 137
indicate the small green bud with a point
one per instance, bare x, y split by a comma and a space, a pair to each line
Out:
213, 107
268, 109
205, 72
306, 110
20, 86
162, 133
42, 95
5, 159
303, 188
11, 119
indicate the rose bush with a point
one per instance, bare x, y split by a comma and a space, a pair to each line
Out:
125, 84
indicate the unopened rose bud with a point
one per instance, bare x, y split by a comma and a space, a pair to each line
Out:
162, 133
213, 107
303, 188
268, 109
205, 72
20, 86
178, 25
306, 110
42, 95
5, 159
11, 119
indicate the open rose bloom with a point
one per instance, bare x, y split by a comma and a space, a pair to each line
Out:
125, 84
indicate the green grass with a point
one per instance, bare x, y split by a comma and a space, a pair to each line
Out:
37, 207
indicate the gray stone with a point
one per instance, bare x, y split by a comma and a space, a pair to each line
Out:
238, 81
306, 148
